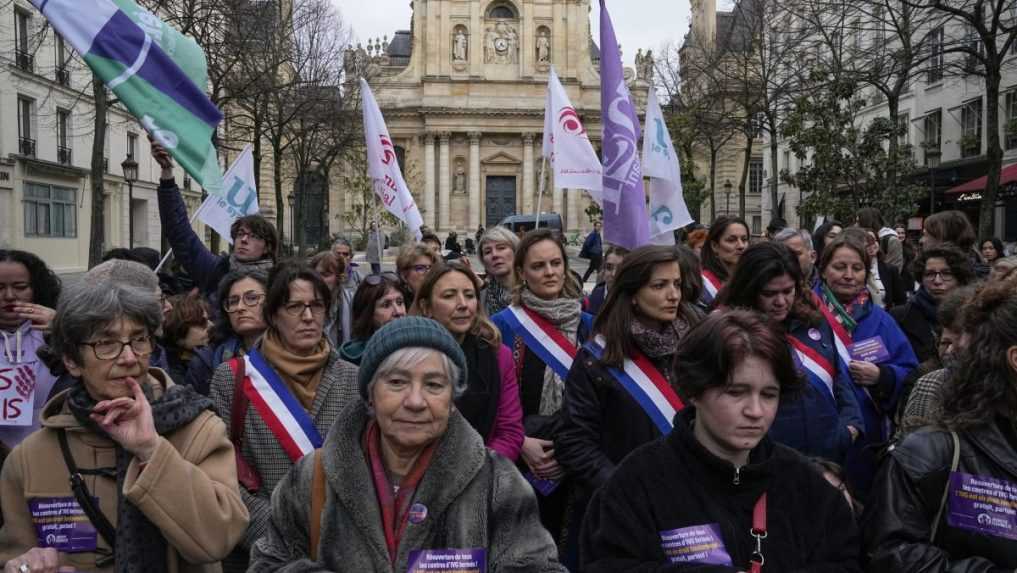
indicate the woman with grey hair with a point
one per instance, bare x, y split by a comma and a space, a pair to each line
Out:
497, 251
159, 491
403, 482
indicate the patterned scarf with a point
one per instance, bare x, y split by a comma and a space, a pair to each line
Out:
496, 297
140, 545
263, 264
564, 314
840, 312
659, 344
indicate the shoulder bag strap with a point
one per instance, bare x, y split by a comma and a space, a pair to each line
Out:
84, 497
246, 474
946, 489
317, 504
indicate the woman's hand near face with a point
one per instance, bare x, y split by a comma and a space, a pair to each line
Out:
40, 316
128, 421
864, 373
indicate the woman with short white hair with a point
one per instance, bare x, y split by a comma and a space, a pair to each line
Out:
403, 479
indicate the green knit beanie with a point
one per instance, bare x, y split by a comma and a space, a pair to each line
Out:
408, 332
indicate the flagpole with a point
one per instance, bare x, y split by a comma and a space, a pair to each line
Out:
193, 217
543, 184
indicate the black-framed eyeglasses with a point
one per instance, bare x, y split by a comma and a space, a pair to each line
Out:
112, 349
249, 234
249, 298
375, 280
297, 308
944, 276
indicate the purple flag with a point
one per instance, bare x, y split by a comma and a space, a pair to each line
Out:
626, 222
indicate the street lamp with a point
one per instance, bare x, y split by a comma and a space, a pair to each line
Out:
727, 197
130, 167
292, 200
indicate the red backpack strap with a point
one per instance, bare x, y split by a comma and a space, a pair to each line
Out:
246, 475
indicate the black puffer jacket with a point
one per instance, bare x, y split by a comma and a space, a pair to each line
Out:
907, 495
674, 483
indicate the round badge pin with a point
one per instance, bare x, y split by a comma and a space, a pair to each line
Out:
815, 335
418, 513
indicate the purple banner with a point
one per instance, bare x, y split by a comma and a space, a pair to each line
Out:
448, 561
626, 222
870, 350
544, 487
696, 544
983, 505
61, 524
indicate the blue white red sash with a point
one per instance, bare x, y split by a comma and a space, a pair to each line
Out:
281, 411
841, 337
818, 369
543, 338
646, 385
711, 286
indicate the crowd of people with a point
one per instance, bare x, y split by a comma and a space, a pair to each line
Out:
842, 400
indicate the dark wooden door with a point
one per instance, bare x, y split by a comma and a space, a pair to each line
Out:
501, 198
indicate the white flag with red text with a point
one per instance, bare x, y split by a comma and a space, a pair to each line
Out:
573, 161
383, 167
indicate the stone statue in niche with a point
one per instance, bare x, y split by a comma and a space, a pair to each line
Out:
460, 46
459, 181
544, 48
501, 45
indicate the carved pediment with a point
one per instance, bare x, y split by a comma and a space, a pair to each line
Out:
501, 158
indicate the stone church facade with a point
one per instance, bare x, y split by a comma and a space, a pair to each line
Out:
463, 94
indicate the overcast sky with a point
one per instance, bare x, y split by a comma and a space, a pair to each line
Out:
638, 23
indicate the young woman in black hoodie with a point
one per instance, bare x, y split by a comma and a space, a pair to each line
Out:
716, 494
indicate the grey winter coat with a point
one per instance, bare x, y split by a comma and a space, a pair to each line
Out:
475, 499
261, 449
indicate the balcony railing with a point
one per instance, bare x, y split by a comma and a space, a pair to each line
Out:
63, 77
64, 155
26, 146
24, 60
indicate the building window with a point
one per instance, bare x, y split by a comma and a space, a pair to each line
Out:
787, 160
932, 124
26, 119
502, 11
903, 129
1010, 119
756, 176
63, 58
971, 128
757, 225
63, 136
132, 145
22, 28
935, 42
50, 211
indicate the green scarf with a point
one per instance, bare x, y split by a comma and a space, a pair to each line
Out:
842, 314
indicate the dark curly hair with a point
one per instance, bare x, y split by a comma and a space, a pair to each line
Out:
223, 329
959, 263
45, 283
984, 384
760, 264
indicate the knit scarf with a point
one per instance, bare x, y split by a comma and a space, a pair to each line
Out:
658, 344
842, 313
140, 545
564, 314
497, 298
302, 374
926, 305
263, 264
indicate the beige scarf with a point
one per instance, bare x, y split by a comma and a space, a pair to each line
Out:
565, 314
302, 374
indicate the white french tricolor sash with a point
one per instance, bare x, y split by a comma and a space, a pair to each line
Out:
279, 408
543, 338
817, 368
646, 385
711, 286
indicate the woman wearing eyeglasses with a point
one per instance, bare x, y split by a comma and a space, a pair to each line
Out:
379, 300
157, 476
294, 386
413, 264
239, 324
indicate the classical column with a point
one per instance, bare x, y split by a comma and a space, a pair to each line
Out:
443, 181
573, 209
429, 181
474, 181
529, 180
